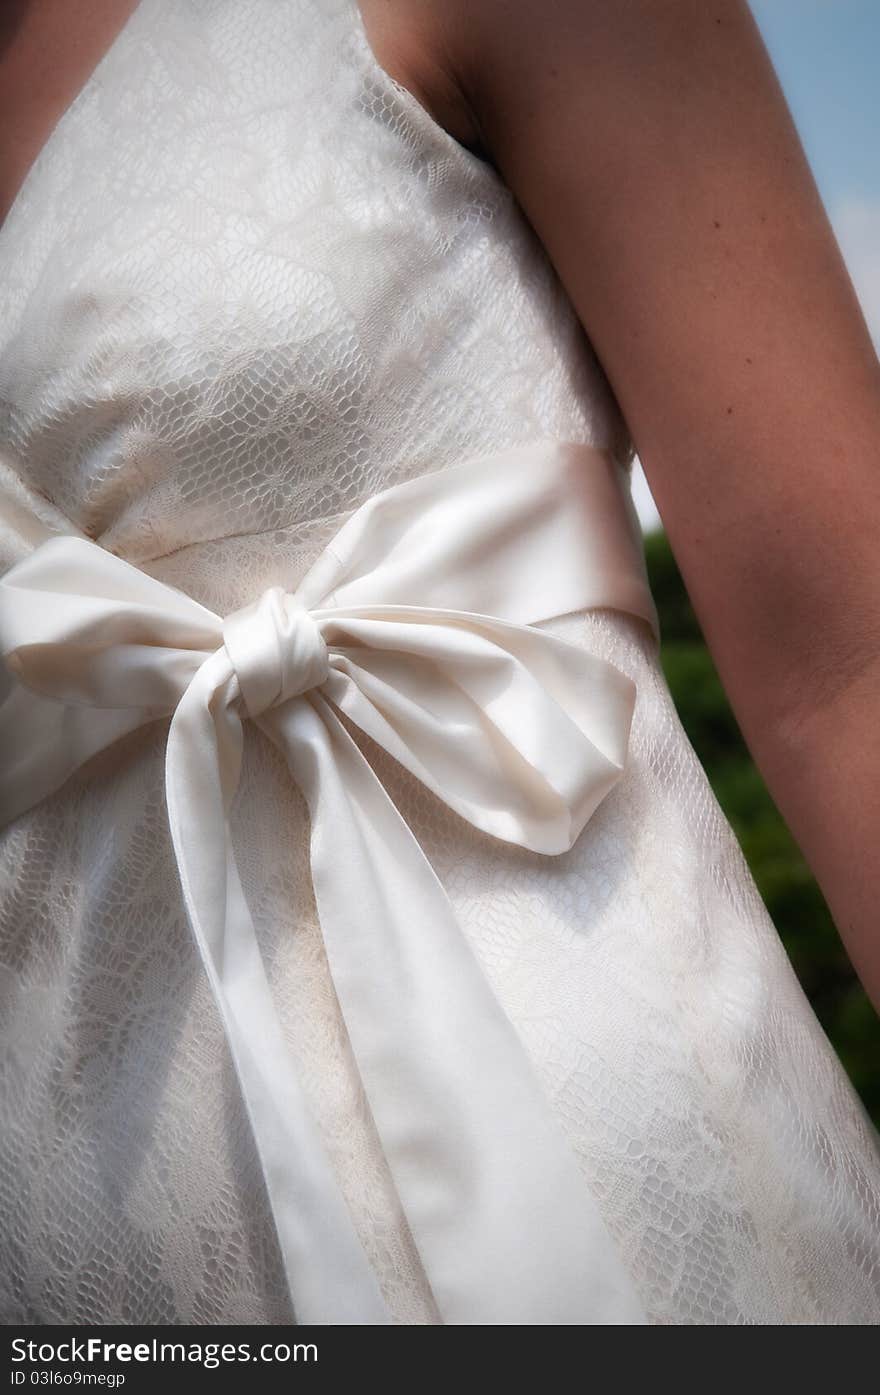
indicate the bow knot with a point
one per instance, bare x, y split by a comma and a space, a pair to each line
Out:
276, 650
429, 596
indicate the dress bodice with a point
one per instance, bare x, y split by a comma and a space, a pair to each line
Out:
248, 285
249, 281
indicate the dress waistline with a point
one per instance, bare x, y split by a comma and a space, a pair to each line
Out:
416, 624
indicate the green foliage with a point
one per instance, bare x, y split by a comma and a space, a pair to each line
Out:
790, 893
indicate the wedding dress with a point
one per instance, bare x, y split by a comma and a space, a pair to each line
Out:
373, 947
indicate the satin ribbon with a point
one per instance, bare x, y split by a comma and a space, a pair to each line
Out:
415, 624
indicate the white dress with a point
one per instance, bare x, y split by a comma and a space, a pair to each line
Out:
248, 286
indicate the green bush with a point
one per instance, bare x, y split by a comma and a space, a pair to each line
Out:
790, 893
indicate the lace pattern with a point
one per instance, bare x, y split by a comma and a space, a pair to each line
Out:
248, 283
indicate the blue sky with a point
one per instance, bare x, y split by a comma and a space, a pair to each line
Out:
827, 55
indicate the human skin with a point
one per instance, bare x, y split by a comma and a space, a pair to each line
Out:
650, 146
48, 50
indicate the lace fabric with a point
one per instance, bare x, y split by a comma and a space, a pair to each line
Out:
247, 284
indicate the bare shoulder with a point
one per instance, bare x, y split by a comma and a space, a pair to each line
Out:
421, 44
651, 149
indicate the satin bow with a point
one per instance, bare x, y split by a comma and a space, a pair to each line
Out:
416, 625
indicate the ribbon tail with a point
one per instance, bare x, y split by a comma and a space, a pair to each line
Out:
505, 1223
327, 1270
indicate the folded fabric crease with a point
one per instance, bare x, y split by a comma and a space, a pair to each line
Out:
417, 626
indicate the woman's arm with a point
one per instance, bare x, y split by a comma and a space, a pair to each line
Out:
650, 146
48, 50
